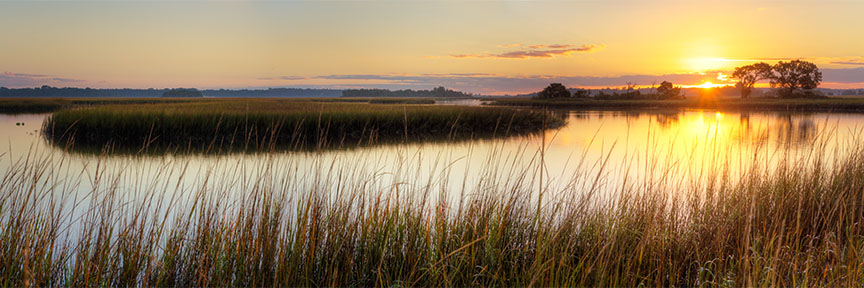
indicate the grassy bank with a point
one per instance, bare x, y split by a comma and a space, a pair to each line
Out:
756, 104
262, 123
44, 105
32, 105
799, 224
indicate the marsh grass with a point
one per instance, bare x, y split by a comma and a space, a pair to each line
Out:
22, 105
796, 221
258, 124
43, 105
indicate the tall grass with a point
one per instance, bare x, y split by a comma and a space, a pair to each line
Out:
795, 223
258, 123
43, 105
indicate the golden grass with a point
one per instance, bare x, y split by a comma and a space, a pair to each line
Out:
258, 124
797, 223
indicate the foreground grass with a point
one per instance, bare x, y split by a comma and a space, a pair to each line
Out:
755, 104
798, 223
260, 123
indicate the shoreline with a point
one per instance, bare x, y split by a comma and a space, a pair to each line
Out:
758, 104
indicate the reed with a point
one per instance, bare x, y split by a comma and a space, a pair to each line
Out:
797, 222
259, 123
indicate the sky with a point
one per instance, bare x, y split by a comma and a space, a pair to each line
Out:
485, 47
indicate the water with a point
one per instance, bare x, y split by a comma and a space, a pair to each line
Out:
460, 102
688, 139
600, 153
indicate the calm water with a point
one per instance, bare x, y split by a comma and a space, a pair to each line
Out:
594, 153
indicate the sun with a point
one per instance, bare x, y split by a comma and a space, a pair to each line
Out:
706, 85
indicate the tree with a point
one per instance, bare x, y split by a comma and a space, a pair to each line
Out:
748, 76
554, 90
581, 93
439, 92
794, 75
183, 92
668, 91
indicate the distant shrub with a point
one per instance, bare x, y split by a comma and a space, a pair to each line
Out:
554, 90
183, 93
438, 92
581, 93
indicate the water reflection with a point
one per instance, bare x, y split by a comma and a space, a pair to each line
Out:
783, 128
620, 143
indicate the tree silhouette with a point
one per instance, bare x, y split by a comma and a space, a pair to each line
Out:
554, 90
183, 92
748, 76
581, 93
668, 91
794, 75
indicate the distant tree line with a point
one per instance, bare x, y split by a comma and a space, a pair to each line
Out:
183, 93
850, 92
439, 92
48, 91
274, 92
665, 91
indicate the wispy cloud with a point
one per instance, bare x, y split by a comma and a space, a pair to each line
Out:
534, 51
844, 60
553, 46
855, 75
17, 80
281, 78
510, 45
854, 63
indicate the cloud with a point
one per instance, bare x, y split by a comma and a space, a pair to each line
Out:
553, 46
855, 63
65, 80
281, 78
18, 80
854, 75
292, 78
844, 60
534, 51
510, 45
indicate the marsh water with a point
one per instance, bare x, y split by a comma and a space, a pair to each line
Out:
595, 152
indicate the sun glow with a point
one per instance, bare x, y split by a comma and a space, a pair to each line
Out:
704, 64
706, 85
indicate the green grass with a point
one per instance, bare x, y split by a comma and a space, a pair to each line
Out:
261, 124
757, 104
798, 224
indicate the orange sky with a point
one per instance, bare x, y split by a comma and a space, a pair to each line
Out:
480, 47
